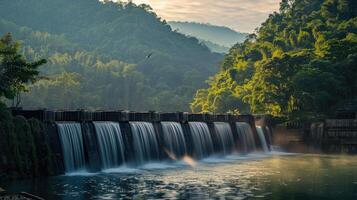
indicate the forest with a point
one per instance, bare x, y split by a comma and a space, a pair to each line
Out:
106, 55
301, 64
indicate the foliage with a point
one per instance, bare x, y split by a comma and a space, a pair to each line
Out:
8, 146
15, 71
300, 64
27, 160
19, 157
23, 149
116, 55
43, 152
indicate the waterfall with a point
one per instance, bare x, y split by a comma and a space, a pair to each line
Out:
245, 134
71, 139
201, 139
225, 137
174, 139
262, 139
145, 143
110, 144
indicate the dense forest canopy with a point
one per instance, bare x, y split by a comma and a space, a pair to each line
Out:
106, 55
301, 63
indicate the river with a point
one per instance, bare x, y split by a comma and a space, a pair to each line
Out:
256, 176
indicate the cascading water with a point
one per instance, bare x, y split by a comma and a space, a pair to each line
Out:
70, 135
225, 137
245, 134
201, 139
110, 144
174, 139
262, 139
145, 143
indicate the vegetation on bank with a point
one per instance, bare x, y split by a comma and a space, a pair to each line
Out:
24, 150
300, 65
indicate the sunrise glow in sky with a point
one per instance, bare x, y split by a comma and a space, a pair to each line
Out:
241, 15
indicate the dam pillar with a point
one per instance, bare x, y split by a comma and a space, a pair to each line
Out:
91, 146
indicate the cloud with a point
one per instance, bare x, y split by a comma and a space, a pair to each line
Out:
242, 15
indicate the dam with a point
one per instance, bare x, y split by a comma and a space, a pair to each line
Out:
102, 140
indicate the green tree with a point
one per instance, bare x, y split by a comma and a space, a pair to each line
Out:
15, 71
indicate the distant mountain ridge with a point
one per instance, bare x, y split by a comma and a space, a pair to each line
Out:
217, 38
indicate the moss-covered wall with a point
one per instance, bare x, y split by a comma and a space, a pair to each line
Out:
24, 152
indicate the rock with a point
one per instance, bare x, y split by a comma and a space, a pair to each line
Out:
1, 190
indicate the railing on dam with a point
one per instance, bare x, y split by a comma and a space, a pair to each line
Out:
124, 116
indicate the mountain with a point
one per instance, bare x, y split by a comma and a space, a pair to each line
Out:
300, 65
218, 38
215, 47
106, 55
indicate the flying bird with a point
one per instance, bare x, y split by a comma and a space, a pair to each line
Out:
148, 56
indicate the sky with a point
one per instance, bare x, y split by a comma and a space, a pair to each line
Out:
241, 15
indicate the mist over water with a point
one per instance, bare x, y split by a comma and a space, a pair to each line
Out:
260, 132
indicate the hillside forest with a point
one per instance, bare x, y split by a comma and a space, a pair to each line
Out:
301, 64
106, 55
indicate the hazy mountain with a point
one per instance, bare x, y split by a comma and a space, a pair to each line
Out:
215, 47
213, 36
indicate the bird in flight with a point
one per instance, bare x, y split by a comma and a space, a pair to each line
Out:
148, 56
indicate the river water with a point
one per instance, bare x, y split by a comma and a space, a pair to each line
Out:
257, 176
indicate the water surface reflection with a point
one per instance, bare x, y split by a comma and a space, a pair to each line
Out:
254, 177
